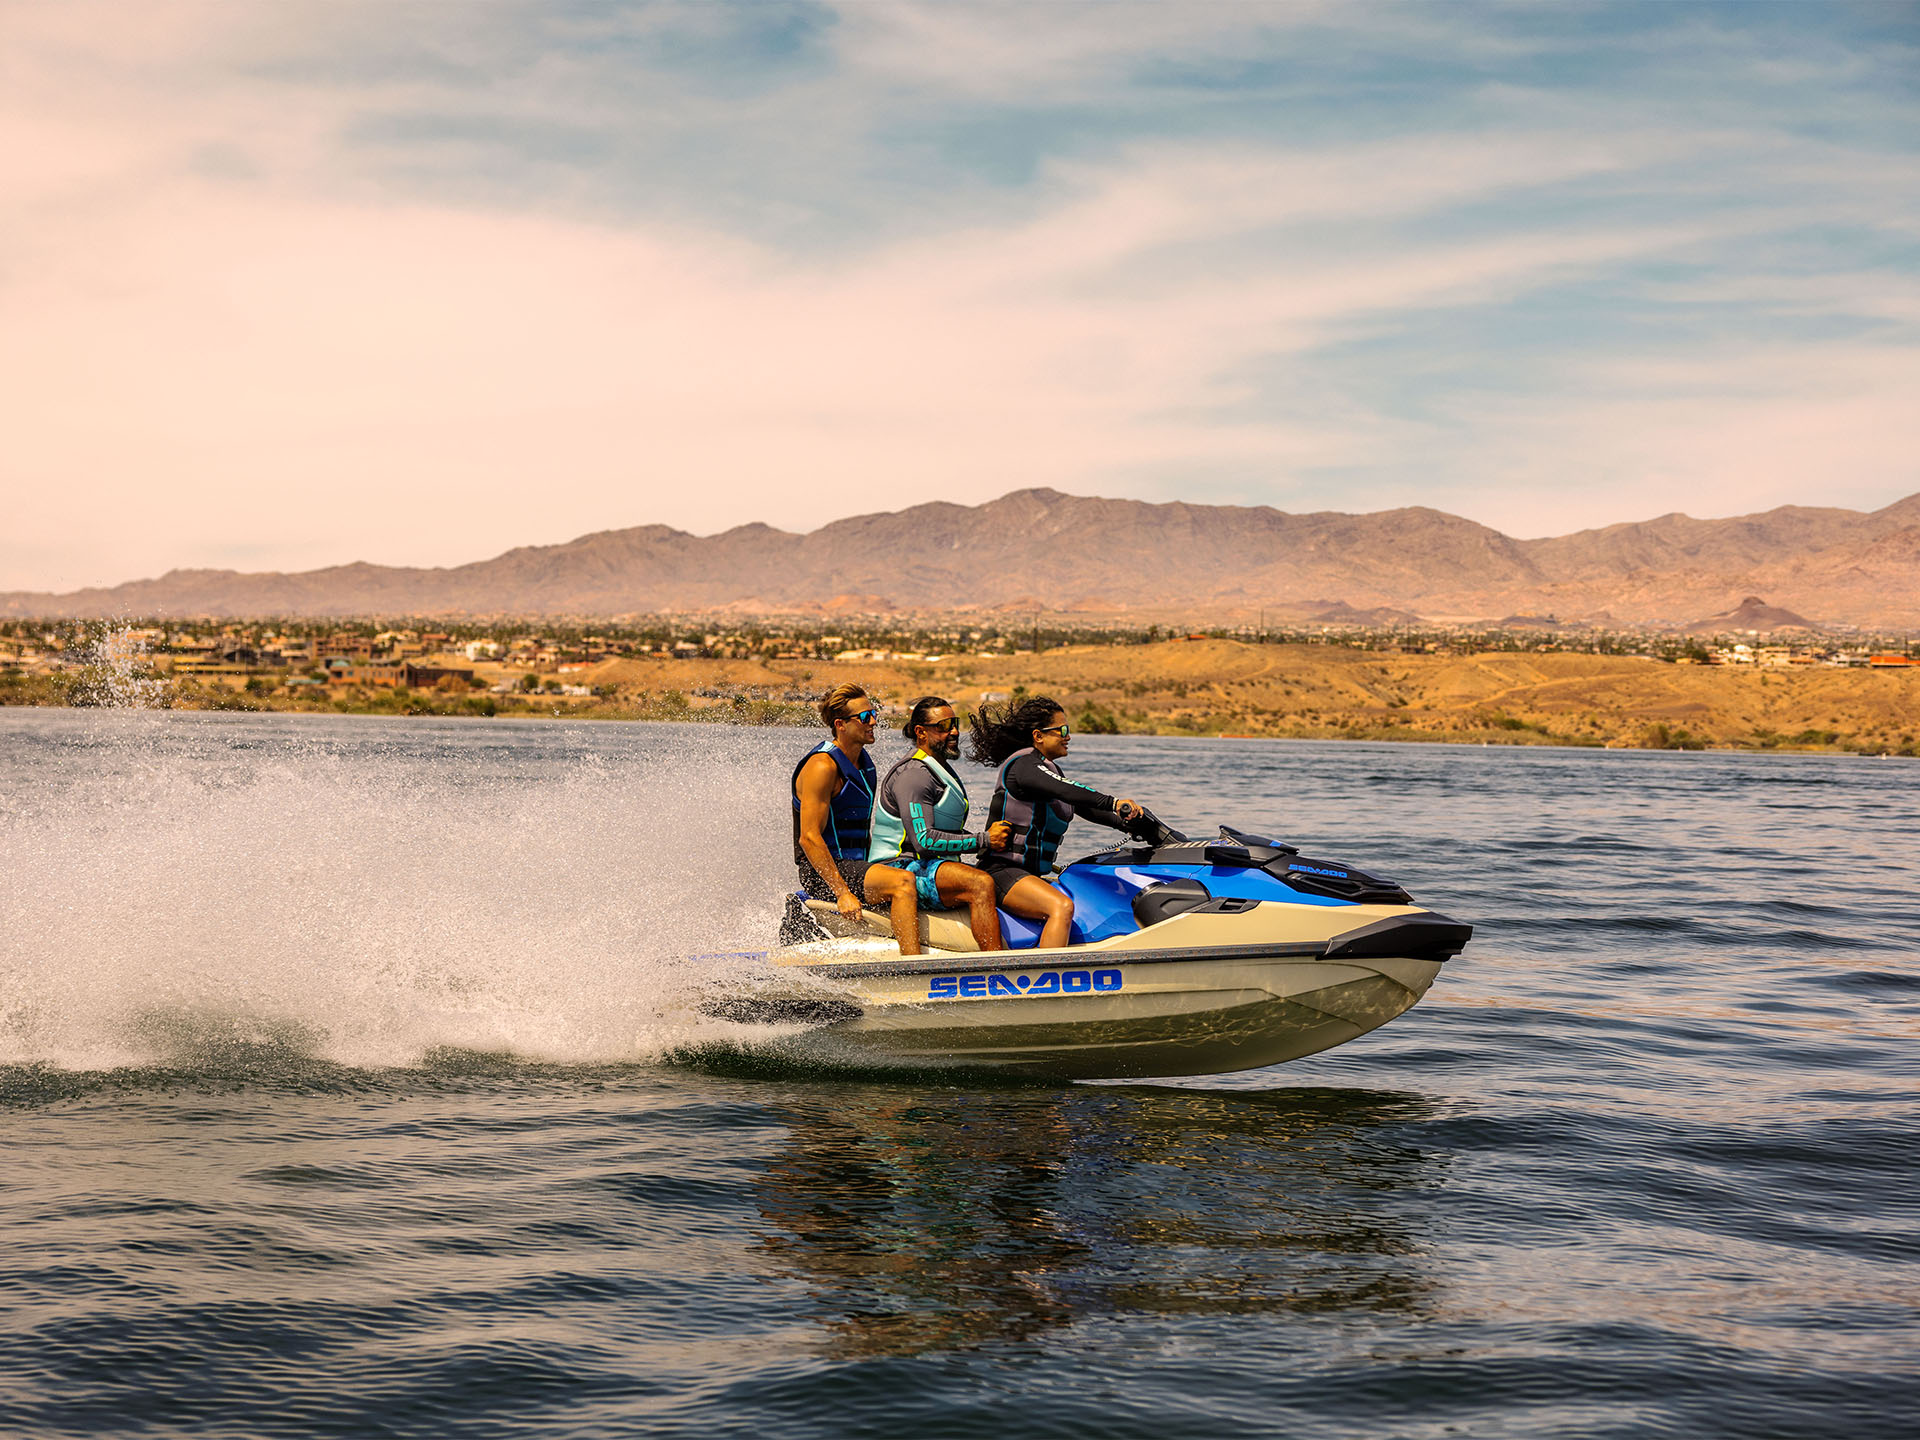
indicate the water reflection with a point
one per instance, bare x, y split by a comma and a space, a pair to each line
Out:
928, 1222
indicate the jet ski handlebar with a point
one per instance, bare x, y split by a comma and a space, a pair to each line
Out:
1150, 829
1160, 844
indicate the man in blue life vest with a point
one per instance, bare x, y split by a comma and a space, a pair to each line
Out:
833, 789
920, 823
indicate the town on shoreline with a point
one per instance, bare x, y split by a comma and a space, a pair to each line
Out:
1534, 682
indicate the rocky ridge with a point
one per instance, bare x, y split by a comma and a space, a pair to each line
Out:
1119, 558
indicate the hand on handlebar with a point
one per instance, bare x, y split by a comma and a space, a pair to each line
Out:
1142, 824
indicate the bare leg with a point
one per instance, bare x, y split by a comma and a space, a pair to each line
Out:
973, 888
896, 888
1035, 899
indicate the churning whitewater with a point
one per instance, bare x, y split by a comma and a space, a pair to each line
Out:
369, 892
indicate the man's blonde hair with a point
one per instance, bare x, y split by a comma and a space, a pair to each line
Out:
833, 705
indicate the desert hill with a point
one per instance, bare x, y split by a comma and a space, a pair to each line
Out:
1043, 549
1752, 613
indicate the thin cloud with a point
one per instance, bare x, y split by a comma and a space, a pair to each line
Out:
340, 282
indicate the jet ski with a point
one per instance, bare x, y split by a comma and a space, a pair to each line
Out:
1188, 957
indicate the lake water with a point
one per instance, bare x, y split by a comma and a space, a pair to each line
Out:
352, 1085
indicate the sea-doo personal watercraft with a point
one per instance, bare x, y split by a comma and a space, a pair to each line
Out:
1188, 957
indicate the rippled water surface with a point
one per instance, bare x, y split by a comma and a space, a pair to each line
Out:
352, 1085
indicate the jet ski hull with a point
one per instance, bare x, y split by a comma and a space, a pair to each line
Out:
1197, 994
1191, 957
1154, 1017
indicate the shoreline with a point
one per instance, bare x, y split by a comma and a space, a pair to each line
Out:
1209, 688
717, 715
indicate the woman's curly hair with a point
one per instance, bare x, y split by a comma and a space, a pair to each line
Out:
999, 730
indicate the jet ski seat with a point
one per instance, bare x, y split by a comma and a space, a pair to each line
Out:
939, 929
809, 919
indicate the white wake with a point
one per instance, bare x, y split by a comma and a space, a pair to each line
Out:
371, 891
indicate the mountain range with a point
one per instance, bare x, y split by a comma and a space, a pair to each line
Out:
1042, 550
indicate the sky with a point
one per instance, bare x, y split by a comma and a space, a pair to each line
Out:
286, 285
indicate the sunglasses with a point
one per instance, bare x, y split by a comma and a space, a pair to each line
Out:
952, 722
865, 717
1063, 731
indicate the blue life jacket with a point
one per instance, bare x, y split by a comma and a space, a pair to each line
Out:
850, 817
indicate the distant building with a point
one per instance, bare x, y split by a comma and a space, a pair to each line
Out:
352, 647
341, 671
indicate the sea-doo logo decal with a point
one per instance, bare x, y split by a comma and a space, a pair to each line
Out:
1317, 870
1047, 982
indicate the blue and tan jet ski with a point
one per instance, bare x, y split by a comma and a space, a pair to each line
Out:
1188, 957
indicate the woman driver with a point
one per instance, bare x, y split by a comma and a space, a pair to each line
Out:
1037, 802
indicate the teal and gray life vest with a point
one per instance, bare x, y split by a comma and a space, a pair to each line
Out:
1032, 796
920, 813
850, 816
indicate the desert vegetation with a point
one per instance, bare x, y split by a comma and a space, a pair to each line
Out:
1197, 686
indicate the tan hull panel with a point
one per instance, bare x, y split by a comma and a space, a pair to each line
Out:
1167, 1018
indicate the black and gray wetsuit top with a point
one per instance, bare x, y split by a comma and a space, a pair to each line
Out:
1032, 795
